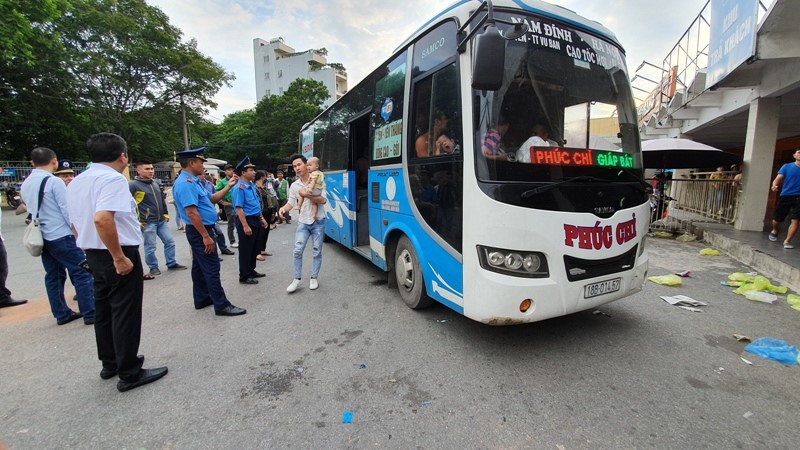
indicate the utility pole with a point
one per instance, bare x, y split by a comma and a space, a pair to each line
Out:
183, 125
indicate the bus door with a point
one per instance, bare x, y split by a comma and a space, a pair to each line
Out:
359, 166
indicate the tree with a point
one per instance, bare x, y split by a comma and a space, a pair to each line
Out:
130, 64
71, 68
281, 117
34, 85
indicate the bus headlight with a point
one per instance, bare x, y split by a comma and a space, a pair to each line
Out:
514, 262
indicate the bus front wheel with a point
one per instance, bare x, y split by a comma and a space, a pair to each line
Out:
408, 274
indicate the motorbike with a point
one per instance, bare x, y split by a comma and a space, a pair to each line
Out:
11, 191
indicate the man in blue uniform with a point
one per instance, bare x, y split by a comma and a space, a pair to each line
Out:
196, 207
248, 212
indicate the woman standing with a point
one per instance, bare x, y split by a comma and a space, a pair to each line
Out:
269, 203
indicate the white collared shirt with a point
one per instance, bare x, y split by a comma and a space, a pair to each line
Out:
101, 188
305, 210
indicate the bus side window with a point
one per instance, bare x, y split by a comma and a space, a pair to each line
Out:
436, 168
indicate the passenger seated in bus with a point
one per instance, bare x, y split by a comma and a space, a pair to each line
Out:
493, 147
422, 144
445, 145
314, 187
540, 138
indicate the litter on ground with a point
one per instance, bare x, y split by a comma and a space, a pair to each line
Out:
684, 274
682, 300
690, 308
774, 349
763, 297
666, 280
793, 301
709, 252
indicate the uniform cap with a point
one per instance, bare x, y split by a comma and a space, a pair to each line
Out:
64, 166
192, 153
243, 165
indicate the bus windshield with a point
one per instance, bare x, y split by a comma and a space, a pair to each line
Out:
564, 112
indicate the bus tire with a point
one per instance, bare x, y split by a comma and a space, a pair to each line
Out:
408, 274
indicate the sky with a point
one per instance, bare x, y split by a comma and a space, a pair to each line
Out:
362, 34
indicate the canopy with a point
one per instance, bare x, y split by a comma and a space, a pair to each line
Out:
668, 153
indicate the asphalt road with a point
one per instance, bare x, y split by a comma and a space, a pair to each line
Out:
643, 374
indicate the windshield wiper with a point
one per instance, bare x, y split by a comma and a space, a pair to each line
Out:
547, 187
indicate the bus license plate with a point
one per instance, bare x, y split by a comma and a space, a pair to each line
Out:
601, 287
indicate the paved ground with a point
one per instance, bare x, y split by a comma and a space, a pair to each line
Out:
642, 374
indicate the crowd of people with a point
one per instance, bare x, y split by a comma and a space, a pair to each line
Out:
93, 224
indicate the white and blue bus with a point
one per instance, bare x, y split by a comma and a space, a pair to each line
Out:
492, 164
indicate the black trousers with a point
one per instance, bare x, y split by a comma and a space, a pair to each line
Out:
4, 292
118, 311
263, 233
247, 247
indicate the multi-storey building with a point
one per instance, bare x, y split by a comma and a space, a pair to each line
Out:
277, 65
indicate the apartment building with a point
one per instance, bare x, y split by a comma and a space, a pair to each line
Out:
277, 65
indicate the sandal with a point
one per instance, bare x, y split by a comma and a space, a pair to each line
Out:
260, 258
147, 276
266, 253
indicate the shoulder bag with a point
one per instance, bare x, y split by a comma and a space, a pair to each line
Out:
32, 238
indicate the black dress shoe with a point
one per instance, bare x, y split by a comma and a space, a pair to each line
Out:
203, 305
72, 316
88, 321
145, 376
231, 311
227, 252
177, 267
9, 302
111, 373
220, 259
248, 281
258, 275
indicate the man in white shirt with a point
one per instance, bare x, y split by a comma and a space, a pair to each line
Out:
60, 253
308, 226
103, 212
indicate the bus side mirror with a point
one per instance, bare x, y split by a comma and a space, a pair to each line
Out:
488, 60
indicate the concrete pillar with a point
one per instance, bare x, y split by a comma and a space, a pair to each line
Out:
759, 153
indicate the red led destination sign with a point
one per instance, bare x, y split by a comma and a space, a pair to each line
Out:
558, 156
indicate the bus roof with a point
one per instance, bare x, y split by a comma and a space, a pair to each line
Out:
464, 7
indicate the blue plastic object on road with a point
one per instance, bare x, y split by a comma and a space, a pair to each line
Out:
347, 417
774, 349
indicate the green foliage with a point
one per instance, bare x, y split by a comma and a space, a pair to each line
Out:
270, 132
70, 69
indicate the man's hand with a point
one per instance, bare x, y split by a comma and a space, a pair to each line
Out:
123, 266
247, 230
233, 180
280, 213
264, 223
209, 244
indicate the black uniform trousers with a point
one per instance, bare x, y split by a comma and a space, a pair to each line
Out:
118, 311
206, 283
247, 247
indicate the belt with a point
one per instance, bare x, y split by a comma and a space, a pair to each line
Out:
101, 251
